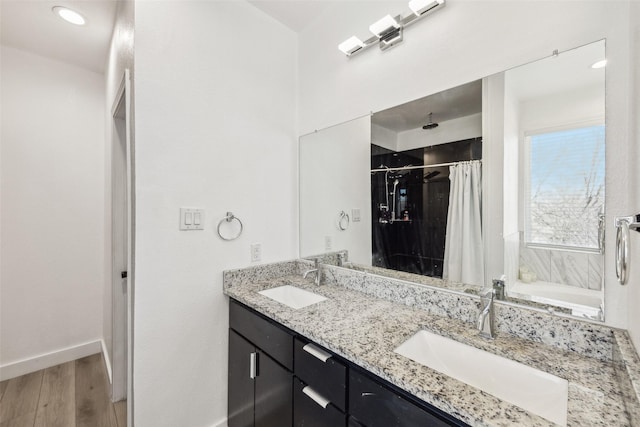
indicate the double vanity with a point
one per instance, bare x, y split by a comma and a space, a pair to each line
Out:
366, 350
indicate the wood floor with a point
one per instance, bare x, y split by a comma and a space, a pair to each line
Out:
72, 394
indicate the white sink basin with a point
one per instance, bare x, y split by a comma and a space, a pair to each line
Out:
531, 389
291, 296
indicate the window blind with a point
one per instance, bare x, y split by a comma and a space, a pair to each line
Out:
564, 192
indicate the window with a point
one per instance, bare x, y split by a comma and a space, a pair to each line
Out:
564, 192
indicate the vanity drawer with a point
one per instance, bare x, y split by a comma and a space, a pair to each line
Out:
309, 413
374, 405
328, 377
267, 336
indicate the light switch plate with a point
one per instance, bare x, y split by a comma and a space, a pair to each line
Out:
355, 214
191, 219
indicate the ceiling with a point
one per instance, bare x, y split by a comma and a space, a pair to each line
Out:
31, 25
460, 101
295, 14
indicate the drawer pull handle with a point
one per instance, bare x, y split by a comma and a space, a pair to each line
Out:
316, 397
252, 365
317, 352
367, 393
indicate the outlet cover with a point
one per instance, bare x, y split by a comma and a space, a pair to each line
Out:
256, 252
327, 243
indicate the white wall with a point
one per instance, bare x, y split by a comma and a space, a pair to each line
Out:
634, 161
335, 166
562, 109
52, 246
493, 147
511, 158
465, 41
215, 129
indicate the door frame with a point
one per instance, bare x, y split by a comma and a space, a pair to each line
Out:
122, 379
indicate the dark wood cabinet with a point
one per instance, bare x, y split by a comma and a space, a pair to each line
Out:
241, 385
374, 405
328, 376
307, 412
273, 393
260, 387
264, 333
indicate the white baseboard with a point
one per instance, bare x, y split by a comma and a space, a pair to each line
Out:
26, 366
107, 361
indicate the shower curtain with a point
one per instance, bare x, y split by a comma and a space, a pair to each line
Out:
463, 250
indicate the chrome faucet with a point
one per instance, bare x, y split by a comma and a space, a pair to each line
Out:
315, 270
342, 256
485, 319
498, 287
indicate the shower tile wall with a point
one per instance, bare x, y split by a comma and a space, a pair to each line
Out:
569, 268
579, 269
415, 241
595, 263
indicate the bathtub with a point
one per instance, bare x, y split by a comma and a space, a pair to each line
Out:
582, 302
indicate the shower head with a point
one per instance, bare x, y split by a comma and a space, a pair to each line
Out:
431, 124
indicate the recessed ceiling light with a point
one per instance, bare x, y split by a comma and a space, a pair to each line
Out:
599, 64
69, 15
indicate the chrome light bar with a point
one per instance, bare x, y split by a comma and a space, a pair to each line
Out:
388, 31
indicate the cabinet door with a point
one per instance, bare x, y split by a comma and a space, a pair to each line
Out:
376, 406
273, 394
266, 335
241, 385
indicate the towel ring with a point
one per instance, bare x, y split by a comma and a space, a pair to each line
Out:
623, 225
343, 222
230, 217
622, 251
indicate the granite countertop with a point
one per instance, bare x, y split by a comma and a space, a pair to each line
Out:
365, 330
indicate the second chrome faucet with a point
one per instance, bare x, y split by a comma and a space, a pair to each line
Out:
316, 270
486, 316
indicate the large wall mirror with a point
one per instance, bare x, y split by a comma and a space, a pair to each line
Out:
410, 191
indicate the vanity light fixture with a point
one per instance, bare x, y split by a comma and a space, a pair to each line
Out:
388, 31
422, 6
384, 26
69, 15
600, 64
351, 45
